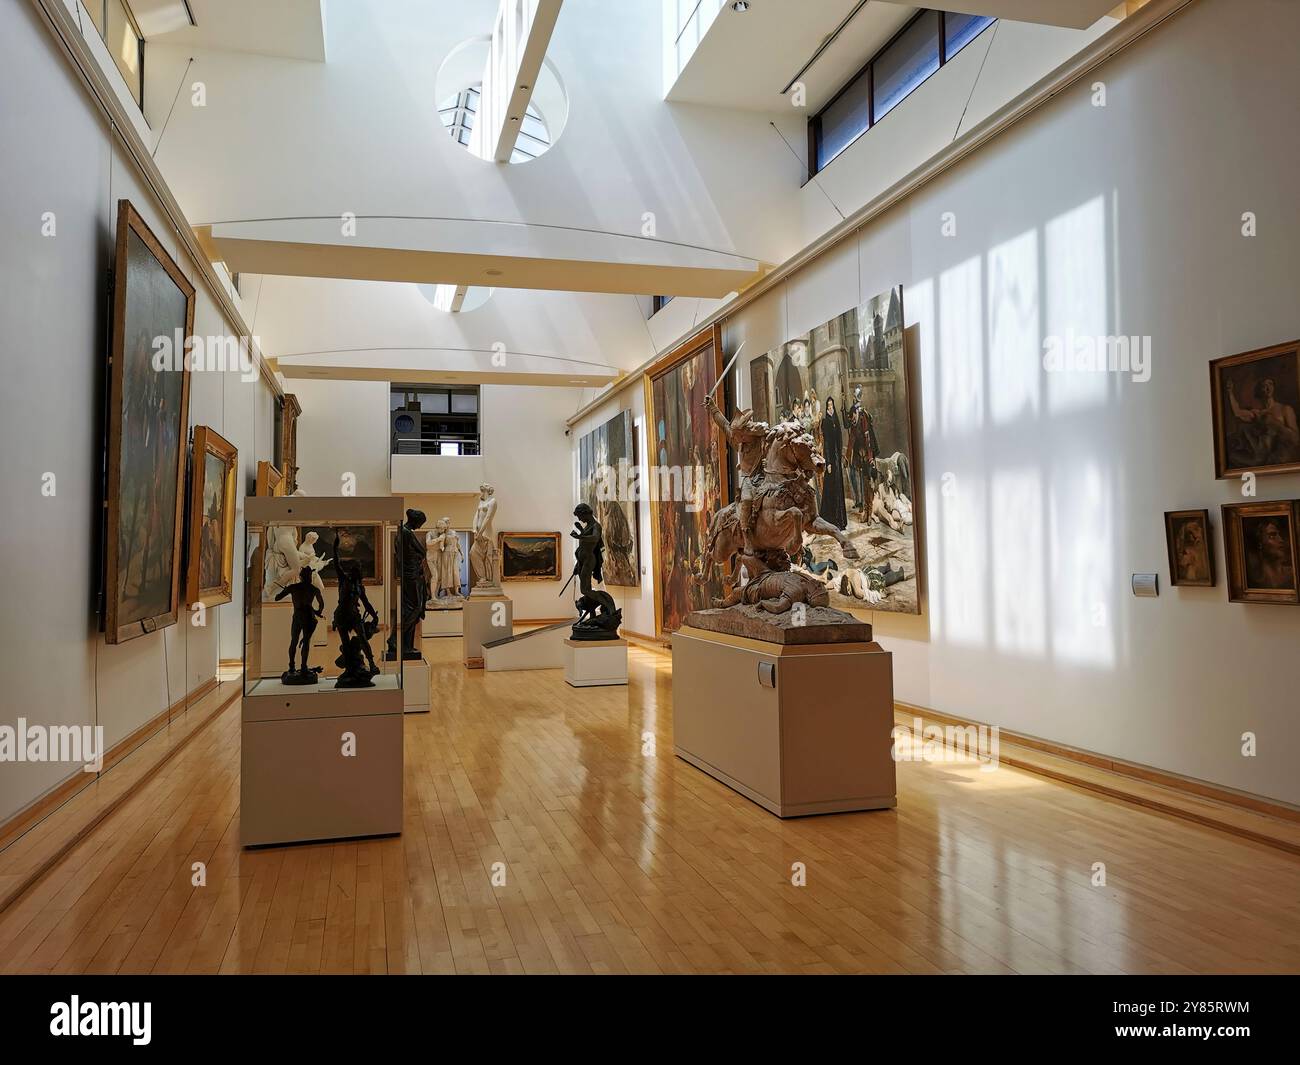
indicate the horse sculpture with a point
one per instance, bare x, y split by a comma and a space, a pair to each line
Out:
786, 509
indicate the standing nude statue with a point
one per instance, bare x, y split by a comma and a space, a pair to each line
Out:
483, 554
308, 608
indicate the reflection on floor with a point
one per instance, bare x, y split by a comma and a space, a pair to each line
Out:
549, 829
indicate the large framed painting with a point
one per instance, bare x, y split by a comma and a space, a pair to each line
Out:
1256, 396
1191, 552
846, 383
148, 416
688, 476
1262, 547
359, 542
529, 556
607, 479
211, 555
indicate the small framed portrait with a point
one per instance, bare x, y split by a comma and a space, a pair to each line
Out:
1256, 396
1260, 543
209, 574
1191, 552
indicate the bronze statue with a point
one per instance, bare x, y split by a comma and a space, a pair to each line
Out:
598, 614
305, 596
353, 626
409, 550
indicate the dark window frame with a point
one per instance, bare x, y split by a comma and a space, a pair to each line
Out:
102, 29
658, 303
867, 70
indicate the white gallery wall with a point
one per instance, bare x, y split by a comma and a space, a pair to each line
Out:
1045, 491
57, 156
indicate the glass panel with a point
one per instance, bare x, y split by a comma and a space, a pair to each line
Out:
433, 402
960, 30
464, 403
912, 58
281, 626
844, 120
124, 44
535, 128
95, 9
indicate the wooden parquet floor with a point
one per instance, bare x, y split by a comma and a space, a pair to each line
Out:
544, 834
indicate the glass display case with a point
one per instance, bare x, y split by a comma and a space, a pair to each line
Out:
322, 737
322, 595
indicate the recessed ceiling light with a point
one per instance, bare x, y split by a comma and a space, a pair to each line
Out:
740, 5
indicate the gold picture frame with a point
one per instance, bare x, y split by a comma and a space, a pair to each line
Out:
148, 418
1191, 560
695, 346
210, 556
270, 481
1253, 577
1253, 439
551, 573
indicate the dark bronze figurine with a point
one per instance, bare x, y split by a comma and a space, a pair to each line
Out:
305, 596
598, 614
354, 627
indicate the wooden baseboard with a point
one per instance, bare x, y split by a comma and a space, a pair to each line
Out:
34, 812
1254, 817
656, 642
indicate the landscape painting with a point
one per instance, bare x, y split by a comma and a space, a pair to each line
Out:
212, 519
147, 421
846, 383
607, 463
688, 479
530, 556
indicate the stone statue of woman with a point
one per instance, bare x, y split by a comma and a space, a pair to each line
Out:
483, 554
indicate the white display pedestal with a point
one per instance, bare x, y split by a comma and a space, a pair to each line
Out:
415, 687
797, 729
444, 620
591, 663
486, 617
296, 782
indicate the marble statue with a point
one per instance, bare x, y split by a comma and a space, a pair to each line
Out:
447, 557
598, 614
284, 561
307, 554
410, 559
483, 555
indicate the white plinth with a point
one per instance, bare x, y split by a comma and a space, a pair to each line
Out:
592, 663
415, 687
444, 621
485, 618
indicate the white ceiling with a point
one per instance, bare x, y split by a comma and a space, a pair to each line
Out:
292, 29
1075, 14
746, 59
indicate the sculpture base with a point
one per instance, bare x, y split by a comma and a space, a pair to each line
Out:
797, 729
444, 618
595, 663
593, 635
485, 618
346, 681
297, 677
812, 625
489, 591
415, 687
